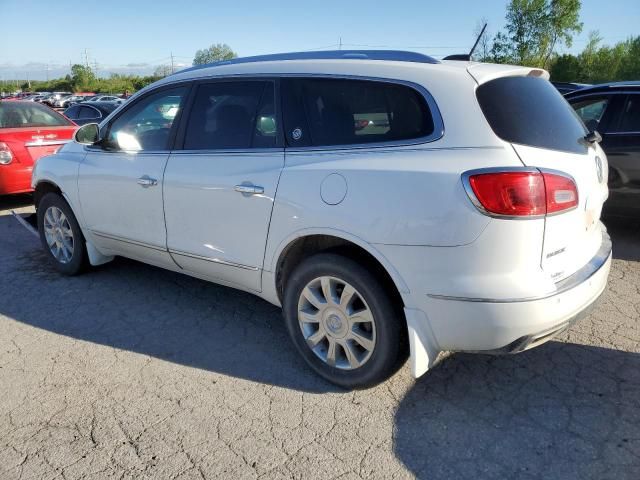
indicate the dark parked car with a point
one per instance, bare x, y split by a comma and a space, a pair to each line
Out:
93, 112
568, 87
613, 110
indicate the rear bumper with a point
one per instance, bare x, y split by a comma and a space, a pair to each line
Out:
513, 325
15, 178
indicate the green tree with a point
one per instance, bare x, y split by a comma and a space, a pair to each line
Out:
215, 53
534, 30
82, 78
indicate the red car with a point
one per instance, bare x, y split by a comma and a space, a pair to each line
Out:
28, 131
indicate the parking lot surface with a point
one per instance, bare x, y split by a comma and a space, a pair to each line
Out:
133, 372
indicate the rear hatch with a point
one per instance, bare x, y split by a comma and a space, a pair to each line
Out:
530, 114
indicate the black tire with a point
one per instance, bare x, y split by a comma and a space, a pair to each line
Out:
389, 350
78, 260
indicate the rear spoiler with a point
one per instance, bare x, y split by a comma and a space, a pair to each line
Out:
485, 72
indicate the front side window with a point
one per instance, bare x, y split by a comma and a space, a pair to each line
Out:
326, 111
147, 124
630, 120
232, 115
591, 111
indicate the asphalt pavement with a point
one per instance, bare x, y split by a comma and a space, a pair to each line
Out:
133, 372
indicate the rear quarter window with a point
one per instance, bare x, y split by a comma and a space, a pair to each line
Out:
333, 112
530, 111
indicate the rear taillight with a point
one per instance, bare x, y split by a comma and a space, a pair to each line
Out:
529, 193
6, 156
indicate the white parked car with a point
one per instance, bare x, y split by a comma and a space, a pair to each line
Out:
390, 203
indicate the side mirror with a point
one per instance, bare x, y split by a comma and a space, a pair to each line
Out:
88, 134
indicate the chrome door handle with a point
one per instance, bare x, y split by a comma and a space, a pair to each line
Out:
146, 181
249, 189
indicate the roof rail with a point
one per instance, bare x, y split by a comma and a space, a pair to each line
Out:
388, 55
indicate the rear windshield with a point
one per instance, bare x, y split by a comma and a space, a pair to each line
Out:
29, 114
530, 111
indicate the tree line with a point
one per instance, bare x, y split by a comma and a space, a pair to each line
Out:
535, 30
83, 79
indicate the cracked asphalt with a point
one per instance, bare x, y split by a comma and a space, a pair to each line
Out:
132, 372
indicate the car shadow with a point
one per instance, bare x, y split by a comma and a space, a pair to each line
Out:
625, 234
561, 411
132, 306
9, 202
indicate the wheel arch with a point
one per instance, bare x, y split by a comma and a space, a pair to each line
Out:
311, 241
42, 188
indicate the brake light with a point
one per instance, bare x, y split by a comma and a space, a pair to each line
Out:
522, 193
562, 193
5, 154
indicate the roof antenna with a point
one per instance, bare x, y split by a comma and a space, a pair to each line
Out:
467, 56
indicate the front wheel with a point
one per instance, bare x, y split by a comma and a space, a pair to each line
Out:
342, 321
60, 235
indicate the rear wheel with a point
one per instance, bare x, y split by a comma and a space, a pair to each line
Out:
342, 321
60, 235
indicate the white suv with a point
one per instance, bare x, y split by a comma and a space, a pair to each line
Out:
390, 203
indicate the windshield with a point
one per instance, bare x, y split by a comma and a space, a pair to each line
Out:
20, 115
530, 111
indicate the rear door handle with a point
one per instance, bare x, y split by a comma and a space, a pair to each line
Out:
146, 181
249, 189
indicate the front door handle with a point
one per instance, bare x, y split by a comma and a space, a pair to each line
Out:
146, 181
249, 189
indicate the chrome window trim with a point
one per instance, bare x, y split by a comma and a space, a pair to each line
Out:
592, 267
622, 133
600, 93
263, 151
438, 122
213, 260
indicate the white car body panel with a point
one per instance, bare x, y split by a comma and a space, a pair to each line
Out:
225, 232
572, 238
108, 190
468, 281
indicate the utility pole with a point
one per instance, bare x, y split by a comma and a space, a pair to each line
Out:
86, 58
95, 68
47, 71
172, 68
340, 44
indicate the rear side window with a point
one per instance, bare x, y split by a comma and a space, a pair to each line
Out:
591, 110
530, 111
630, 120
31, 114
326, 112
88, 113
232, 115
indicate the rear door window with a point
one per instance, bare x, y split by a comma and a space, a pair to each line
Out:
630, 116
232, 115
530, 111
591, 110
328, 111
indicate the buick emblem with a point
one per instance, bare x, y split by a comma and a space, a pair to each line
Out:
599, 169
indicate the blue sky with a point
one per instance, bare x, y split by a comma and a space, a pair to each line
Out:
137, 35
